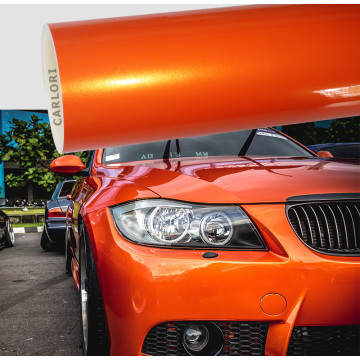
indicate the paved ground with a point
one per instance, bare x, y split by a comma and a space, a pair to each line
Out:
39, 305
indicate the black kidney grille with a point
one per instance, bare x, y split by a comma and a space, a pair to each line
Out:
240, 338
325, 340
332, 228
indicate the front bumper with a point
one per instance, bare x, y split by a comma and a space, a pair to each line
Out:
289, 285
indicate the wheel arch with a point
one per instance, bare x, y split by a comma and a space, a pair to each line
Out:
88, 228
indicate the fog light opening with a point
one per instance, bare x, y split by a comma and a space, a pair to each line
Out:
204, 339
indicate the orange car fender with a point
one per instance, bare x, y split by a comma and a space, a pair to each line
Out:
142, 285
94, 194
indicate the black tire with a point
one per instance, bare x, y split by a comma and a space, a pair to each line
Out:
9, 235
46, 243
68, 253
93, 323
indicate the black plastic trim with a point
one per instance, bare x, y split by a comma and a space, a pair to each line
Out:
332, 197
210, 255
323, 197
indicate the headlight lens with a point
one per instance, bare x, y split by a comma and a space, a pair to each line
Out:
170, 223
216, 228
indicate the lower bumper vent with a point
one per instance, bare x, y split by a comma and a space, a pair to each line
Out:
239, 338
325, 340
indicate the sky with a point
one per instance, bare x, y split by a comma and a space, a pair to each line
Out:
21, 78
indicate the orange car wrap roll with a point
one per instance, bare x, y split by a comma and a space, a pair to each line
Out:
129, 80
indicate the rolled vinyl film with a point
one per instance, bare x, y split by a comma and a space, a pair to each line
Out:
129, 80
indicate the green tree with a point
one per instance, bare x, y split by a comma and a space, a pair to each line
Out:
29, 144
344, 130
340, 130
304, 133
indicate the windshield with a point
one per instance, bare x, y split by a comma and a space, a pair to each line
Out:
264, 141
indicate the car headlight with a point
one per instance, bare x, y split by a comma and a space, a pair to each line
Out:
170, 223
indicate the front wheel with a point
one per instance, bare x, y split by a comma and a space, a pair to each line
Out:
9, 235
93, 324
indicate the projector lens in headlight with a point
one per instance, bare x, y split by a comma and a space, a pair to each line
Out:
172, 223
216, 228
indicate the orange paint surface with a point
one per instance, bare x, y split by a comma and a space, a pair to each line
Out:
148, 78
67, 164
156, 77
273, 304
287, 285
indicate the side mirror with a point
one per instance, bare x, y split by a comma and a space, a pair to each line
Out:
2, 202
67, 164
326, 154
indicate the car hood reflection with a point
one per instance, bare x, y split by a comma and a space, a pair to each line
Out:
245, 179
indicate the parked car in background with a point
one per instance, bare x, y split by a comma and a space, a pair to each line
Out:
7, 236
339, 150
53, 234
243, 243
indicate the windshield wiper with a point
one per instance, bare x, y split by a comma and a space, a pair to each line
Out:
167, 149
247, 143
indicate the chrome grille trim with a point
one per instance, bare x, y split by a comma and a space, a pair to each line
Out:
327, 235
318, 233
330, 227
298, 224
353, 225
345, 228
336, 228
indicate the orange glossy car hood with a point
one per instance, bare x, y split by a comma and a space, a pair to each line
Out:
243, 180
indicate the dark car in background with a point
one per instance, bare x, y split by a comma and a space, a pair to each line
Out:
339, 150
7, 237
53, 235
